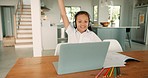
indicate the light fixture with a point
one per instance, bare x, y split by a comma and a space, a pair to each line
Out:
43, 8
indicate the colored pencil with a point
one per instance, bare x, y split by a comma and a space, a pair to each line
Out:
99, 73
115, 73
106, 72
118, 71
111, 71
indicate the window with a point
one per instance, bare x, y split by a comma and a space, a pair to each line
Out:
114, 15
71, 11
95, 13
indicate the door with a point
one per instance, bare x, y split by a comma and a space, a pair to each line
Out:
139, 18
7, 20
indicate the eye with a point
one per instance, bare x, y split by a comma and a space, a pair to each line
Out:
86, 21
79, 21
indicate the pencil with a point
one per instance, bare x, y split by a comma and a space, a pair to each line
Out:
99, 73
111, 71
106, 72
118, 71
115, 73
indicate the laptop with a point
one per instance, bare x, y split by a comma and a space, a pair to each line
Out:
77, 57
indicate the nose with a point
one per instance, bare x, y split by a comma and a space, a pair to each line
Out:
83, 23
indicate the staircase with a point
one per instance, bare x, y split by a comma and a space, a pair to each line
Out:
23, 27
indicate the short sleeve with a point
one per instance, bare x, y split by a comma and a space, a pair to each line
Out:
70, 29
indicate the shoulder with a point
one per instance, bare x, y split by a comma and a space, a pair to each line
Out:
94, 36
91, 32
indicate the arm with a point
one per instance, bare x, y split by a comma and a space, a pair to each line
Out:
63, 13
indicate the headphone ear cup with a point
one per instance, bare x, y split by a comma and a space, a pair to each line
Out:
74, 24
89, 24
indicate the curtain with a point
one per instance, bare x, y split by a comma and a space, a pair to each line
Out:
7, 20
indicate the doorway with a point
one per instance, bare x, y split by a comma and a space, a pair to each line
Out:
7, 13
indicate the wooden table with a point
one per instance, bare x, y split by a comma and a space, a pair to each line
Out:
42, 67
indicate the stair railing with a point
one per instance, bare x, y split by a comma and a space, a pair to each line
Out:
17, 16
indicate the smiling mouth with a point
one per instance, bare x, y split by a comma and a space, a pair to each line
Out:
83, 27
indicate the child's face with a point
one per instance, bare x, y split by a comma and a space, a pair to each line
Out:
82, 22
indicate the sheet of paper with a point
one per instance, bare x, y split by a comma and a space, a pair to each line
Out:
114, 59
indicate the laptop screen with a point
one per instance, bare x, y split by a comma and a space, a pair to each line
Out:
76, 57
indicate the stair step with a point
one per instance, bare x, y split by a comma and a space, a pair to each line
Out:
24, 18
25, 29
23, 45
23, 40
25, 21
24, 15
22, 23
26, 5
25, 25
25, 10
24, 33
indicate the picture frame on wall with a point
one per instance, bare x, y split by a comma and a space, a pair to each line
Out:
141, 18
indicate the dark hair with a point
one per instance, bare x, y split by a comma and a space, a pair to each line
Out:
80, 13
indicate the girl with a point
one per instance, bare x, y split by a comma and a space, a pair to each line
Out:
82, 30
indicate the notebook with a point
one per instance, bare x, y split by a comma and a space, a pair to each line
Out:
77, 57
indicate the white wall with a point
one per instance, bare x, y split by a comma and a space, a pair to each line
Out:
48, 35
50, 38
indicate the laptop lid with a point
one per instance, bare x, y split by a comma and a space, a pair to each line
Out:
76, 57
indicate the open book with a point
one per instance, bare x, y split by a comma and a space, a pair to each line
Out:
114, 59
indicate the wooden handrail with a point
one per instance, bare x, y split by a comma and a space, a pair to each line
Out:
19, 6
15, 33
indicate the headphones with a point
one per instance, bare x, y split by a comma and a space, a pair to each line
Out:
79, 13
